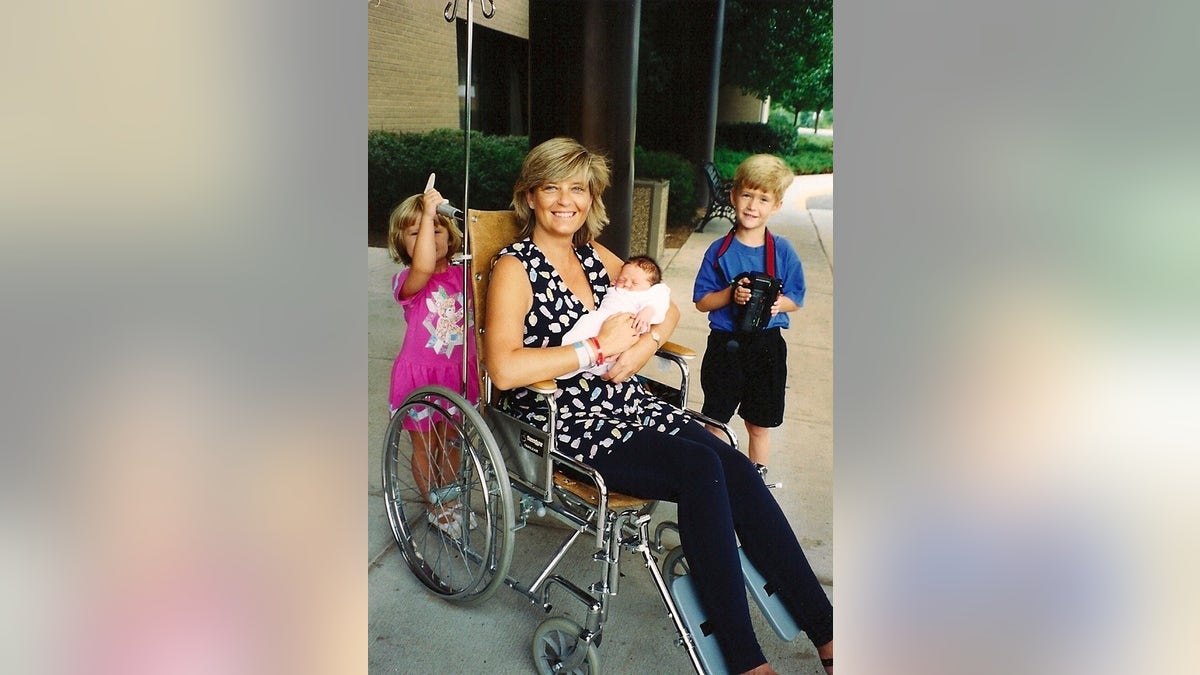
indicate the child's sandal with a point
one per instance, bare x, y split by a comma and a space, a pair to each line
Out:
828, 663
447, 520
472, 522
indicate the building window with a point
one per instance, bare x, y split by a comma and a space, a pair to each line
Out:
499, 82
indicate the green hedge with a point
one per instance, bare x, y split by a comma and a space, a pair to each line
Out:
398, 164
681, 196
777, 138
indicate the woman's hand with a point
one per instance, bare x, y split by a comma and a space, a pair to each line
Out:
617, 334
630, 361
630, 358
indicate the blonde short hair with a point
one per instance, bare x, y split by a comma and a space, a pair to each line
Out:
558, 159
763, 172
407, 214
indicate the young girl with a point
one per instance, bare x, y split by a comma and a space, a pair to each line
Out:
431, 293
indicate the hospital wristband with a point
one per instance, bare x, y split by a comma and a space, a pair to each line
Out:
583, 355
599, 352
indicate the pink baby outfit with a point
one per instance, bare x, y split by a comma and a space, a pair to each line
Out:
618, 300
433, 340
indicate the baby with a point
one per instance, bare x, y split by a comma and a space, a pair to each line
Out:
639, 291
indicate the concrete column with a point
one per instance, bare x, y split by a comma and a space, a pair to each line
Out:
583, 84
682, 116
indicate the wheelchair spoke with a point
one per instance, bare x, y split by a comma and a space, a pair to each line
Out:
439, 480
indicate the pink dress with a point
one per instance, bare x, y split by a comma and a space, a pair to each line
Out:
433, 343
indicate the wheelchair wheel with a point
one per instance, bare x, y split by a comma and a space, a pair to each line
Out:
557, 649
675, 565
453, 472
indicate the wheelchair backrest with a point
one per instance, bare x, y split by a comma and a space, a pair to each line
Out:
490, 232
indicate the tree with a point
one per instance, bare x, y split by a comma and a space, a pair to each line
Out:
782, 49
813, 91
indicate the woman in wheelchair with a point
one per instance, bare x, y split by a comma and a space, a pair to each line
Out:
540, 286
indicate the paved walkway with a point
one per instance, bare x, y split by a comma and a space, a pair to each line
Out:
410, 631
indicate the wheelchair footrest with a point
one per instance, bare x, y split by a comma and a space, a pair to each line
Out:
688, 604
764, 596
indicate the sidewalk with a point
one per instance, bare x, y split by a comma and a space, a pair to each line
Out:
409, 631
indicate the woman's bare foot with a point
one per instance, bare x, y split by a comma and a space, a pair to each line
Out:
764, 669
825, 652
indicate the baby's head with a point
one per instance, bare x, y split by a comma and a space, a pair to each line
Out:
639, 273
406, 220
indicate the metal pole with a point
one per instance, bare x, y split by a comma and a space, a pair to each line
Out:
467, 98
450, 14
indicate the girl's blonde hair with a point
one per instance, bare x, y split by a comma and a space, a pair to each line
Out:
555, 160
763, 172
407, 214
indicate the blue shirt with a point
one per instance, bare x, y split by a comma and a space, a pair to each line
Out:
740, 258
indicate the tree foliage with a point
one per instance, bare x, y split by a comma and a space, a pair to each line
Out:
782, 49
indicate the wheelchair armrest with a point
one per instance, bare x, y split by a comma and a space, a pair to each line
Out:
730, 436
544, 387
677, 350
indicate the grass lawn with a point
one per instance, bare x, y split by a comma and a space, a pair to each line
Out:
814, 154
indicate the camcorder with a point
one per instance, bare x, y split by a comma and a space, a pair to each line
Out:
756, 313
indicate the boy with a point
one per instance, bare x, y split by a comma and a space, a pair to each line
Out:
747, 372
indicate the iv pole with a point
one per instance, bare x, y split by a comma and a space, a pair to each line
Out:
450, 13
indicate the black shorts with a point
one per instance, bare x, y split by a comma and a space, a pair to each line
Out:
749, 380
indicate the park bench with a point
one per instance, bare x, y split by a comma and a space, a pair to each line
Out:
719, 205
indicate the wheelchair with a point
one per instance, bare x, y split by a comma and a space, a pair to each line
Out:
499, 471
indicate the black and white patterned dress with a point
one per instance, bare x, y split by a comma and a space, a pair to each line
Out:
593, 415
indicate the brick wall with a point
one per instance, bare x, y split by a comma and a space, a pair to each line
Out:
512, 16
412, 62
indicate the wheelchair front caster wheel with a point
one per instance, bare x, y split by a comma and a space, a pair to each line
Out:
675, 565
557, 649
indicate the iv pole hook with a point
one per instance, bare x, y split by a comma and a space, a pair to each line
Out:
488, 7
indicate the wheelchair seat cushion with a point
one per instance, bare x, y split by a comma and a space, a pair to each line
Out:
586, 491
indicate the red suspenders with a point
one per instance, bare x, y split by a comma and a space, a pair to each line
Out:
729, 240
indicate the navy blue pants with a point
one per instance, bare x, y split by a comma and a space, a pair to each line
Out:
720, 495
